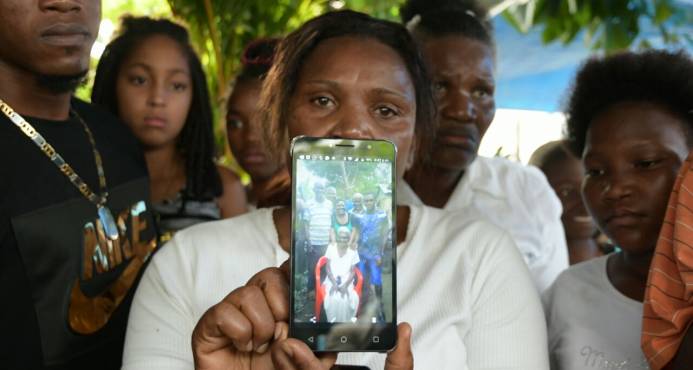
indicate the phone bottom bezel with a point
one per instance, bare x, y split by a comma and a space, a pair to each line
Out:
326, 337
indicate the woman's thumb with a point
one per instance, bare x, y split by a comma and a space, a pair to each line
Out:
401, 357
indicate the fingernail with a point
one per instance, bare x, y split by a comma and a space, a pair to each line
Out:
277, 332
262, 349
249, 346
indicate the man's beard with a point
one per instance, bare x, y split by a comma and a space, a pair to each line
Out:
59, 84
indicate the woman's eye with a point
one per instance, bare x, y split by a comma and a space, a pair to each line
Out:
648, 163
386, 112
137, 80
322, 101
179, 86
234, 123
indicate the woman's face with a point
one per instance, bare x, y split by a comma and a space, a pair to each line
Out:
244, 131
340, 208
355, 88
154, 91
632, 156
462, 70
565, 177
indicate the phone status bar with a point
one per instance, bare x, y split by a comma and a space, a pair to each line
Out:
318, 157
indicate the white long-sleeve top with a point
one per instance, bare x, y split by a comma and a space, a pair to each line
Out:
515, 198
461, 284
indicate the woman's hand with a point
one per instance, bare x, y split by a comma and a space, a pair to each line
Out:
236, 333
292, 354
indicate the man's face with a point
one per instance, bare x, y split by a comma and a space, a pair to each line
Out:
369, 201
358, 201
48, 37
319, 192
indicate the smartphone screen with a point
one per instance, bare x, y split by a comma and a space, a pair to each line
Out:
343, 284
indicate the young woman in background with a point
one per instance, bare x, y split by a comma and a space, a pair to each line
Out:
630, 121
150, 77
269, 180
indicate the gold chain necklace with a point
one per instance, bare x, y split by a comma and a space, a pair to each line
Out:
105, 214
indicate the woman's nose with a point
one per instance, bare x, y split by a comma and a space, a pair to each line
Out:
617, 187
156, 96
354, 123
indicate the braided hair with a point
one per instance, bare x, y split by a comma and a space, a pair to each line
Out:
257, 59
196, 140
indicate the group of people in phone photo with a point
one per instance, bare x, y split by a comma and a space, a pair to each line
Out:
345, 246
124, 244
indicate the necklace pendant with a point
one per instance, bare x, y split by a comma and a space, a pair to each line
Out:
108, 222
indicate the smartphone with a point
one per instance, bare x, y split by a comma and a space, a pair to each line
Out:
343, 238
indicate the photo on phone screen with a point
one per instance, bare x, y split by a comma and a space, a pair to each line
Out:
343, 261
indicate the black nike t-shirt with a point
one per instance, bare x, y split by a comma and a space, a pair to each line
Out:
66, 287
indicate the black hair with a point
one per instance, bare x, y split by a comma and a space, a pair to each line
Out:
551, 153
437, 18
296, 47
257, 59
656, 76
196, 139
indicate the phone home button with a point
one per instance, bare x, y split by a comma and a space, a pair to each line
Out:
376, 339
343, 339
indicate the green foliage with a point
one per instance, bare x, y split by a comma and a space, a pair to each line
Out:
609, 25
346, 177
221, 29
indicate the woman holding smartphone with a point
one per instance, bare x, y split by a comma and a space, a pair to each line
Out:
343, 74
270, 184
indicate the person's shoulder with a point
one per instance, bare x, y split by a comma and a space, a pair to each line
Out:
109, 126
97, 116
233, 200
574, 279
461, 226
576, 288
249, 224
507, 170
228, 238
524, 184
121, 152
589, 269
228, 177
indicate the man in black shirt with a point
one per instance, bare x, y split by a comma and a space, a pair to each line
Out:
75, 228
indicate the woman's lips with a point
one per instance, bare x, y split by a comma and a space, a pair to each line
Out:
253, 158
624, 219
156, 122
